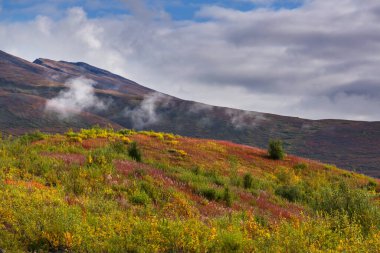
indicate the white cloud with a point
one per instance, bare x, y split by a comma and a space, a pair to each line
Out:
79, 96
146, 113
242, 120
44, 24
316, 61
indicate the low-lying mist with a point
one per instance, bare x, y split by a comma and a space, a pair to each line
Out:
78, 97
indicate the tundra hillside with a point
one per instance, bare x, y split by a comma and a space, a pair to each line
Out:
86, 192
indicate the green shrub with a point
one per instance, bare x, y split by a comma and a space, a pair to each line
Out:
300, 166
197, 170
214, 177
276, 150
118, 147
219, 181
291, 193
126, 132
134, 151
227, 196
100, 160
209, 193
32, 137
371, 186
152, 191
231, 242
286, 175
140, 198
74, 183
355, 203
247, 181
235, 179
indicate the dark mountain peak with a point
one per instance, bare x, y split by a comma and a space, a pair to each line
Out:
87, 67
46, 63
74, 68
39, 61
104, 79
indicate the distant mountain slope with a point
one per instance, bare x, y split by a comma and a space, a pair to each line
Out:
25, 88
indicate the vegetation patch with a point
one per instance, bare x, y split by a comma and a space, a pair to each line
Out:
60, 195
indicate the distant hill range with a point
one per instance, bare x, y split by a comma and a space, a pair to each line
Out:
53, 96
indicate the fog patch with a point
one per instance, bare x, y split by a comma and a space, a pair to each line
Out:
244, 119
204, 122
147, 112
306, 126
79, 96
239, 119
200, 107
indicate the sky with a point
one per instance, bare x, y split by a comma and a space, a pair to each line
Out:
313, 59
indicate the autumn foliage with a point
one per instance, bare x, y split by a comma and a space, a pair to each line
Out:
90, 191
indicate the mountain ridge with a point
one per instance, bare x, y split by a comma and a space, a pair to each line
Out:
26, 87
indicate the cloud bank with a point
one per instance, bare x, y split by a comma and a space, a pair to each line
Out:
315, 61
79, 96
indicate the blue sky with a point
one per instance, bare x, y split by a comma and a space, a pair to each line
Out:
23, 10
187, 9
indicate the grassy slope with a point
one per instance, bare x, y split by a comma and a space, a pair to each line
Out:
81, 192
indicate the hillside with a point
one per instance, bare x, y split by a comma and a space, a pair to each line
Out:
26, 88
82, 192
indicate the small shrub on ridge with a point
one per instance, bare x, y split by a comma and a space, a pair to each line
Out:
276, 150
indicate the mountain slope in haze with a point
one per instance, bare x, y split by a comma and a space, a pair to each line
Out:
83, 192
26, 87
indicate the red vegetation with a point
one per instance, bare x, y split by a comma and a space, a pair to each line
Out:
67, 158
31, 184
94, 143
